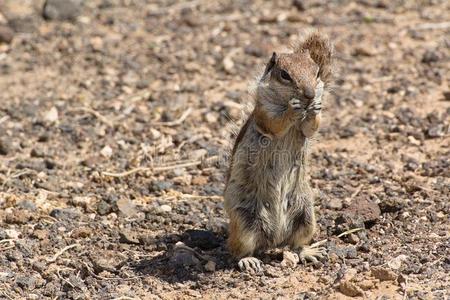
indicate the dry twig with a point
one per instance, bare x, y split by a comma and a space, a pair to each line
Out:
350, 231
96, 114
63, 279
107, 278
177, 122
58, 254
430, 26
355, 193
184, 164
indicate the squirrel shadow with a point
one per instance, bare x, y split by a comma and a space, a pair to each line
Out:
188, 256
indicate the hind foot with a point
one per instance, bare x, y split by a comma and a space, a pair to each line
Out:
312, 253
250, 264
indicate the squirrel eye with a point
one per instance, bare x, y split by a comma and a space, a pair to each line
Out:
318, 74
285, 75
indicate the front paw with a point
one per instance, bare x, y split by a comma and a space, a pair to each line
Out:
298, 107
315, 108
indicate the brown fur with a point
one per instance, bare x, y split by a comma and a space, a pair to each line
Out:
267, 195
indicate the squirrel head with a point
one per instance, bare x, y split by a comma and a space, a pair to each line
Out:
297, 74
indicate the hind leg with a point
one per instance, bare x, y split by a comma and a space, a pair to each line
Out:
305, 226
242, 244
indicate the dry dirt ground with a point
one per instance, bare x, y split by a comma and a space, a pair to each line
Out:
110, 86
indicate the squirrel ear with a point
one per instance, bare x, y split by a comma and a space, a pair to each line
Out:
270, 65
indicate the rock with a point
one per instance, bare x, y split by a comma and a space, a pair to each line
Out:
5, 146
350, 289
396, 263
164, 208
106, 151
18, 217
40, 234
349, 274
158, 186
210, 266
61, 9
12, 234
128, 237
383, 274
390, 205
107, 260
203, 239
126, 207
24, 23
104, 208
26, 282
446, 95
367, 210
81, 232
430, 56
36, 152
184, 256
350, 252
393, 89
334, 203
198, 154
363, 51
342, 252
154, 134
5, 275
82, 201
254, 50
299, 4
27, 204
290, 259
51, 115
142, 84
228, 64
353, 238
6, 34
97, 43
199, 180
436, 131
367, 284
211, 117
68, 213
50, 164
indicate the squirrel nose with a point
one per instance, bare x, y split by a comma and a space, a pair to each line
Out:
309, 93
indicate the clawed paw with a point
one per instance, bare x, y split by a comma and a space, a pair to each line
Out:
315, 107
312, 253
250, 264
298, 107
297, 104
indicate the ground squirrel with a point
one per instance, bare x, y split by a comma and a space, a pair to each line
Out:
267, 195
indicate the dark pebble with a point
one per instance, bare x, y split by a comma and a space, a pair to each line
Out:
128, 237
65, 213
27, 204
26, 282
299, 4
35, 152
61, 9
104, 208
5, 146
436, 131
446, 95
430, 56
158, 186
6, 34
